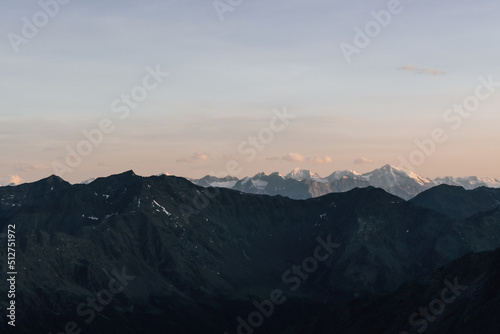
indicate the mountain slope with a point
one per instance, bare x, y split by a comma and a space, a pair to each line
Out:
462, 297
457, 202
397, 181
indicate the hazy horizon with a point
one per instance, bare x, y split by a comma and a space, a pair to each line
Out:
16, 181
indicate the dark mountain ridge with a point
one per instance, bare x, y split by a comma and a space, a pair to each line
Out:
457, 202
210, 253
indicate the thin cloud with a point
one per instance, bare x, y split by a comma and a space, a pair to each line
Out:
408, 68
293, 157
320, 160
417, 70
431, 71
362, 161
296, 157
196, 157
30, 168
229, 156
16, 180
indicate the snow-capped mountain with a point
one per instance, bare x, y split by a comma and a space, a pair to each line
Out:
213, 181
399, 182
274, 184
304, 174
470, 182
337, 175
302, 183
89, 181
393, 176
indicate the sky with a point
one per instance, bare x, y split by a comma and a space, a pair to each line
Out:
196, 87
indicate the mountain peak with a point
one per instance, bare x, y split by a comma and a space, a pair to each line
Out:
125, 175
55, 178
276, 174
121, 178
395, 176
301, 174
389, 167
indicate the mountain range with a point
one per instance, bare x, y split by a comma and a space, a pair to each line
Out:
202, 259
303, 184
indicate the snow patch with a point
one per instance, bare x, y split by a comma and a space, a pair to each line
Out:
259, 184
223, 184
164, 210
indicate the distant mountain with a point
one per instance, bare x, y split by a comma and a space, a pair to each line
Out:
337, 175
397, 181
469, 183
303, 175
199, 258
462, 297
303, 184
220, 182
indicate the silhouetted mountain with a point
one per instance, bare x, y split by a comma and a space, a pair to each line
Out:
208, 253
457, 202
462, 297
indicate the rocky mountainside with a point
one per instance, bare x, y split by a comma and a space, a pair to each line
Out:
184, 252
303, 184
462, 297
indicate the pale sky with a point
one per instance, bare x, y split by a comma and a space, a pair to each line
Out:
227, 79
